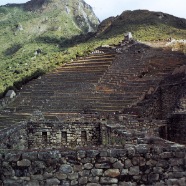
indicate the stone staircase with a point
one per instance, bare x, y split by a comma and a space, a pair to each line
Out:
67, 91
103, 82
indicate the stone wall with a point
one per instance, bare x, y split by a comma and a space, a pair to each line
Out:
14, 137
165, 99
142, 164
47, 134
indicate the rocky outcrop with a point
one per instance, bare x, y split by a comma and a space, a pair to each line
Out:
79, 10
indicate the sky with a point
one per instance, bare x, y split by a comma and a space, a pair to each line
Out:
106, 8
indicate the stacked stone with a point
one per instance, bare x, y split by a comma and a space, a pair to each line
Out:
54, 138
14, 138
133, 165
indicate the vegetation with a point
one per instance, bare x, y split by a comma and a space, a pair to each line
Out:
33, 36
33, 43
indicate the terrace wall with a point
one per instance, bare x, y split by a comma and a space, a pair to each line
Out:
142, 164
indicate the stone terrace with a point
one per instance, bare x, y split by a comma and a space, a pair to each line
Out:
100, 120
103, 82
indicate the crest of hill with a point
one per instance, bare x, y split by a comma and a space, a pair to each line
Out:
145, 25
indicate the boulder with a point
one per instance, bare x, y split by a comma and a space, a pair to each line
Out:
10, 94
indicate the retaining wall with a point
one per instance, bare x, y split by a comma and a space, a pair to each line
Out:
142, 164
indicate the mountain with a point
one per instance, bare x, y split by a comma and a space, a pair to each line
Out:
145, 25
38, 25
40, 35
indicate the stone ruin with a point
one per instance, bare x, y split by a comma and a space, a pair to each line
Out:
128, 36
141, 143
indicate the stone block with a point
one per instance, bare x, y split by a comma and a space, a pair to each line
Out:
118, 165
38, 177
142, 161
92, 153
172, 182
94, 179
134, 170
135, 160
112, 173
7, 169
52, 181
12, 182
77, 168
24, 178
161, 183
103, 154
113, 160
179, 154
182, 181
74, 182
47, 175
10, 157
158, 170
83, 180
124, 172
97, 172
73, 176
33, 183
85, 173
166, 155
93, 184
88, 166
86, 160
65, 183
131, 151
107, 180
65, 169
128, 163
176, 161
127, 184
24, 163
141, 149
178, 169
39, 164
60, 176
179, 174
153, 177
103, 166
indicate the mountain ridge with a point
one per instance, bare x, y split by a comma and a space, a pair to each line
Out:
137, 20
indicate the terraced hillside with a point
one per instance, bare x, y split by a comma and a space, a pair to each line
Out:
114, 79
67, 90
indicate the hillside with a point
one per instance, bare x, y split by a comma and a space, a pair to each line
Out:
40, 35
37, 27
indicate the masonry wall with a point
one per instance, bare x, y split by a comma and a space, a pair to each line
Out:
14, 137
141, 164
164, 101
56, 135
